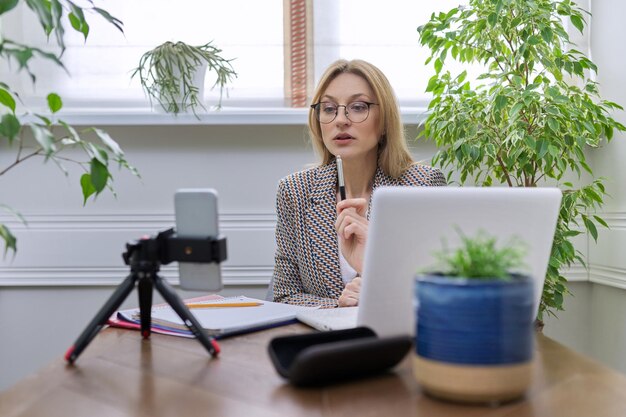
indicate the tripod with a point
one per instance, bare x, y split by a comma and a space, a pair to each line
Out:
144, 257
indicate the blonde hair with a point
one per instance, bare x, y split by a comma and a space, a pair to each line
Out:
393, 153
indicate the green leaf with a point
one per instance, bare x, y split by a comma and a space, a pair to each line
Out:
553, 150
57, 12
608, 132
492, 19
542, 147
599, 185
553, 124
547, 34
10, 126
74, 136
97, 152
99, 175
54, 102
432, 84
10, 241
515, 109
109, 142
6, 5
44, 137
517, 80
44, 13
44, 119
577, 21
499, 6
438, 65
501, 102
601, 221
593, 195
77, 20
533, 40
589, 126
113, 20
87, 187
558, 301
591, 228
7, 99
461, 77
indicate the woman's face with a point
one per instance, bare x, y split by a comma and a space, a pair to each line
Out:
350, 140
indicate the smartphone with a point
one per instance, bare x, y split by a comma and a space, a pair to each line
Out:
196, 216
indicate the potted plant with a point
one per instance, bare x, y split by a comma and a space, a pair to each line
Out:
31, 134
173, 74
475, 323
529, 118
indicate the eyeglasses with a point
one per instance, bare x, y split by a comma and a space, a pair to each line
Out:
356, 112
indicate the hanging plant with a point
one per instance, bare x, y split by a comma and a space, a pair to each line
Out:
173, 74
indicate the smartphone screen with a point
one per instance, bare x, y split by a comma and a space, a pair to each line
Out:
196, 216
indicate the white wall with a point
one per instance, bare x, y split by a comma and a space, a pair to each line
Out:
242, 163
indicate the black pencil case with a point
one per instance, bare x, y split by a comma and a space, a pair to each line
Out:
322, 358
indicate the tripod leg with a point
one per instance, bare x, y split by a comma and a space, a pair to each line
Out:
144, 287
100, 319
183, 312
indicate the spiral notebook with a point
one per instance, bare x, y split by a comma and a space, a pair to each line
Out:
216, 321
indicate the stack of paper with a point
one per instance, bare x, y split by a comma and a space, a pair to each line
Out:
220, 318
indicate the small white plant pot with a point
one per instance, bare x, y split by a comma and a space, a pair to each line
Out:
178, 105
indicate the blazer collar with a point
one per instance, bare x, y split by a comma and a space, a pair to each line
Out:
325, 184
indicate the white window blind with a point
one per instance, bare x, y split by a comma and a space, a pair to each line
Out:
251, 31
381, 32
100, 70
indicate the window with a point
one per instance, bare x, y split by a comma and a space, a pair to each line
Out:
100, 70
253, 32
381, 32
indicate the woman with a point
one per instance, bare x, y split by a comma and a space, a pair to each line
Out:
320, 238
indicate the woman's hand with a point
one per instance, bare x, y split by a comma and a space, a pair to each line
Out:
350, 295
352, 226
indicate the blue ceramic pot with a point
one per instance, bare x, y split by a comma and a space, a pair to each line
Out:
475, 321
475, 338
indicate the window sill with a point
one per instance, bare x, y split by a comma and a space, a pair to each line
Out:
143, 116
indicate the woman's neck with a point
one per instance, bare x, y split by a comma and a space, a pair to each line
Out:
359, 178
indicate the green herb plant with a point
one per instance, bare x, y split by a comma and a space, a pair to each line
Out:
479, 257
30, 134
167, 72
529, 118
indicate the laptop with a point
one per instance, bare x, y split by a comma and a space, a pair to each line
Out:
409, 224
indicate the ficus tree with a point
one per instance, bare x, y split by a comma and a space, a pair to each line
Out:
527, 119
27, 135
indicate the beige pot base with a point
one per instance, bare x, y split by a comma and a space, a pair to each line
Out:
476, 384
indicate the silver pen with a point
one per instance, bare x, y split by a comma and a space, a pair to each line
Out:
342, 183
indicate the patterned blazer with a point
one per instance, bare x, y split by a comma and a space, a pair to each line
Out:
306, 269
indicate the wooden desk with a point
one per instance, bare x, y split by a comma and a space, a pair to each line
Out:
121, 375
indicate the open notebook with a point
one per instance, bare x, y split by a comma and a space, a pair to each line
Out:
408, 225
217, 321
